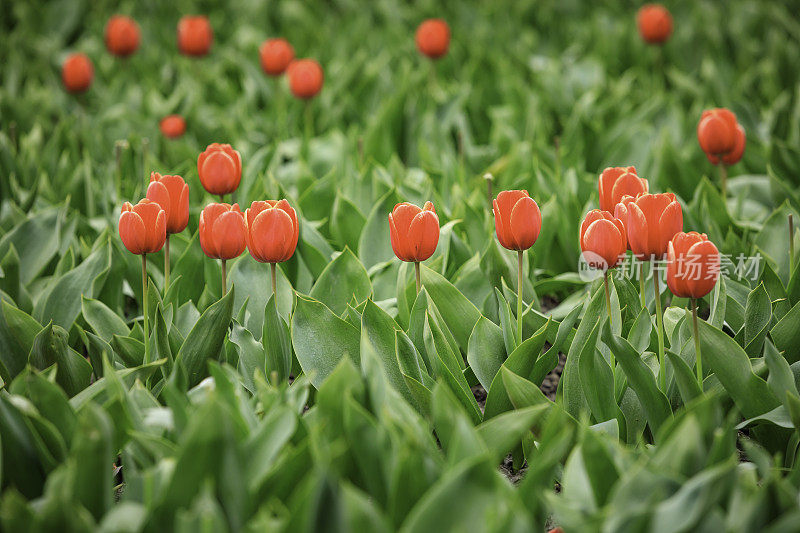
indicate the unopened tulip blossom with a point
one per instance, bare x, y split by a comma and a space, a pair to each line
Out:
143, 230
414, 234
220, 169
654, 23
517, 223
172, 126
223, 234
172, 194
616, 182
77, 73
433, 38
195, 35
693, 267
272, 233
122, 35
603, 244
722, 139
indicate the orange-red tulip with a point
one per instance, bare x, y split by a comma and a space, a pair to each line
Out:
693, 265
655, 23
122, 35
717, 132
602, 238
433, 38
305, 78
220, 168
517, 220
272, 231
172, 194
172, 126
195, 35
414, 232
616, 182
275, 54
735, 155
653, 219
77, 73
621, 211
223, 232
143, 227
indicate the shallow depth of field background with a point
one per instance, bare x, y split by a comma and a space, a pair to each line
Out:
541, 94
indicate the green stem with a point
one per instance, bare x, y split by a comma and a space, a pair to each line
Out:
519, 297
606, 275
642, 289
723, 176
417, 276
144, 308
166, 264
660, 322
224, 277
698, 359
309, 128
274, 274
489, 193
791, 244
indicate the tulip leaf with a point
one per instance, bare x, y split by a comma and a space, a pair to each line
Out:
342, 279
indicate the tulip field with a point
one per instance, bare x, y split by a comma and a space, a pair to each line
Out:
400, 266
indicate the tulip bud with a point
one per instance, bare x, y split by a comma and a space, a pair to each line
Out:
616, 182
653, 219
195, 35
223, 232
77, 73
272, 231
275, 55
517, 220
143, 227
655, 23
433, 38
693, 265
621, 211
122, 35
717, 131
414, 232
172, 194
602, 239
219, 168
305, 78
172, 126
735, 155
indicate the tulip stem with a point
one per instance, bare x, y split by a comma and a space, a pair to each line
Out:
166, 264
309, 129
417, 276
224, 264
519, 297
222, 198
791, 244
698, 359
723, 176
144, 309
642, 289
660, 323
274, 273
606, 275
489, 194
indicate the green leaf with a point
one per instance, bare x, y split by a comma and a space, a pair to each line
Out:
105, 322
17, 332
758, 313
251, 355
93, 453
51, 347
342, 279
684, 377
205, 340
277, 342
570, 383
321, 339
597, 379
459, 314
640, 378
504, 431
36, 241
732, 366
486, 351
786, 334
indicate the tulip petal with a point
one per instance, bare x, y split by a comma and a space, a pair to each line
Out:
157, 192
229, 235
423, 235
271, 236
525, 223
132, 232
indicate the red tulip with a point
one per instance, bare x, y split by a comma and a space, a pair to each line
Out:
275, 54
517, 220
433, 38
693, 265
621, 211
272, 231
172, 194
143, 227
653, 219
122, 35
717, 132
735, 155
172, 126
77, 73
220, 169
195, 35
305, 78
616, 182
223, 232
602, 239
655, 23
414, 232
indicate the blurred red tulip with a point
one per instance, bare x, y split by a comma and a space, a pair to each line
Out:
717, 132
275, 54
305, 78
77, 73
655, 23
122, 35
433, 38
195, 35
219, 168
172, 126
